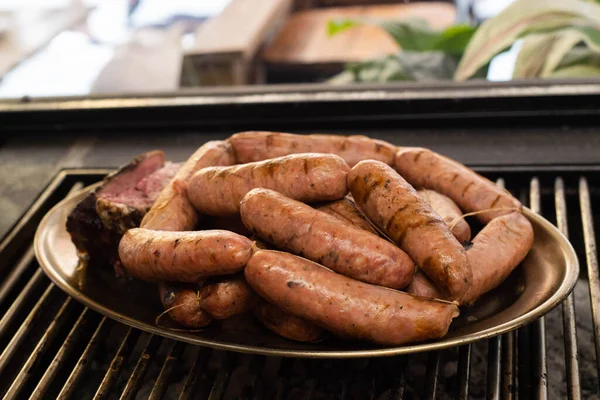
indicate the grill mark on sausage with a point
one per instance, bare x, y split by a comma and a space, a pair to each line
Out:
466, 188
305, 166
495, 201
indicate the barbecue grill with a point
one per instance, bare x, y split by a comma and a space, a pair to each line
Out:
53, 347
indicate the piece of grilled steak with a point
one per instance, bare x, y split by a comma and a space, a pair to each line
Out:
97, 223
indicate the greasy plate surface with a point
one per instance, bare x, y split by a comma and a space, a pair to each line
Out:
541, 282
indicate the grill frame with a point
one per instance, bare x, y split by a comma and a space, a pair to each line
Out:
509, 346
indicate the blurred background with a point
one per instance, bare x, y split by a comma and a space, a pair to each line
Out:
81, 47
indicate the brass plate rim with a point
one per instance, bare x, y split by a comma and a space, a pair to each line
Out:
566, 286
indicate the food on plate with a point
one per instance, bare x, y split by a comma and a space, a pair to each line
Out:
285, 324
183, 304
345, 306
257, 146
472, 192
306, 177
225, 297
119, 203
500, 246
195, 306
300, 229
398, 228
166, 256
449, 212
396, 208
346, 211
172, 210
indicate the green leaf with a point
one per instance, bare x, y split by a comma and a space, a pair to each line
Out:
520, 18
414, 34
404, 66
577, 71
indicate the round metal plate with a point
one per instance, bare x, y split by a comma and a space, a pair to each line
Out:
541, 282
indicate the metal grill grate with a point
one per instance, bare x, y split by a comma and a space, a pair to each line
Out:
53, 347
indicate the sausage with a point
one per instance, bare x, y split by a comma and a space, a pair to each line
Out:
470, 191
258, 146
182, 256
345, 306
449, 212
221, 299
394, 206
172, 210
296, 227
422, 286
346, 211
227, 297
184, 305
306, 177
285, 324
497, 250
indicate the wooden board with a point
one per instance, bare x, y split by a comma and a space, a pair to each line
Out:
304, 39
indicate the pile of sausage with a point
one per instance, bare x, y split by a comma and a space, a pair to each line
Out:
335, 237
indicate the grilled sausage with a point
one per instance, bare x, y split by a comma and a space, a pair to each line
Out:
184, 306
346, 307
306, 177
449, 212
346, 211
394, 206
227, 297
296, 227
172, 210
285, 324
258, 146
497, 250
165, 256
470, 191
422, 286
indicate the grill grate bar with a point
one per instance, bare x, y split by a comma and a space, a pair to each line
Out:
164, 377
28, 323
464, 372
195, 374
398, 384
538, 327
568, 306
508, 362
220, 384
117, 363
85, 360
256, 367
64, 351
431, 376
40, 349
14, 275
138, 373
493, 367
285, 368
589, 237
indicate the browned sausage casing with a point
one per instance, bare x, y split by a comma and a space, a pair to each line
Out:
184, 306
470, 191
172, 210
394, 206
422, 286
227, 297
165, 256
346, 211
449, 212
345, 306
305, 177
497, 250
258, 146
285, 324
296, 227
